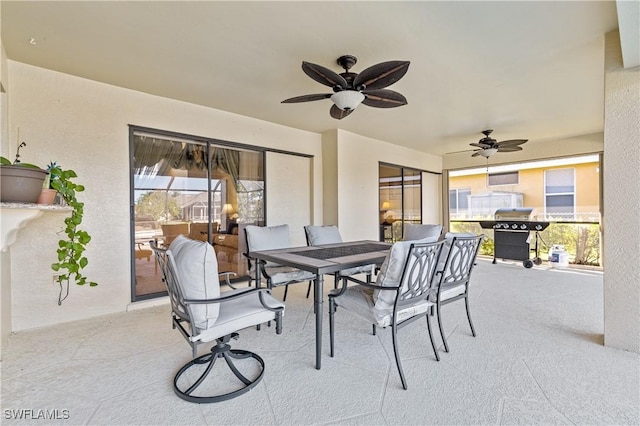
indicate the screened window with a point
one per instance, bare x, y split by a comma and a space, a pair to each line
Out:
559, 191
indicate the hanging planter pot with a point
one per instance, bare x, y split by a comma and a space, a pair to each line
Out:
21, 183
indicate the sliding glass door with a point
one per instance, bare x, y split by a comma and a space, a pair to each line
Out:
400, 190
205, 190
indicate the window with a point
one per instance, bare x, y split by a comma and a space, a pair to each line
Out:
559, 189
459, 201
506, 178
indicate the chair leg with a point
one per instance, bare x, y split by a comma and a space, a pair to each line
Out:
374, 329
185, 390
394, 332
466, 303
433, 343
444, 338
286, 289
309, 289
332, 310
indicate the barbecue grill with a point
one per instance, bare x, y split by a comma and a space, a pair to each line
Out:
512, 229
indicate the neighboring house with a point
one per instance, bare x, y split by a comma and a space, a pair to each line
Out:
566, 192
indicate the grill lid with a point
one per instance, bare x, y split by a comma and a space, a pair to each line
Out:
518, 213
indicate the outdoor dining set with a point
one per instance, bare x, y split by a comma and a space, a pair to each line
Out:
383, 284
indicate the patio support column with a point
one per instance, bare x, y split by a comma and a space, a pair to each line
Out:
621, 189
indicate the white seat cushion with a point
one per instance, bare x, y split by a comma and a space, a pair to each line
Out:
197, 269
415, 231
239, 313
318, 235
448, 292
391, 272
285, 274
359, 301
267, 238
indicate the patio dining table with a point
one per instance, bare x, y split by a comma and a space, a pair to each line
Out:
321, 260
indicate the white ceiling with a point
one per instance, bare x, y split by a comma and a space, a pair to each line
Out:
525, 69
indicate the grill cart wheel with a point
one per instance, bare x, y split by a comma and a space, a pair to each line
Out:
537, 261
527, 263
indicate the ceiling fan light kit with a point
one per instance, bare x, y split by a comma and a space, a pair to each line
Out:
488, 152
347, 100
351, 89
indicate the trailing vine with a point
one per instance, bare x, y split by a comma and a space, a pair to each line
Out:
71, 259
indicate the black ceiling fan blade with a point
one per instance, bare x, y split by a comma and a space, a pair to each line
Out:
307, 98
509, 148
512, 142
338, 113
383, 98
477, 153
381, 75
324, 75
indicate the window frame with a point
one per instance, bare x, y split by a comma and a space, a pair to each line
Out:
568, 216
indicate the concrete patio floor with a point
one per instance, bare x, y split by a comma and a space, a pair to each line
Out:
538, 359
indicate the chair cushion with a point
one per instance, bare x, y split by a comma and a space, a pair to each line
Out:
364, 269
415, 231
318, 235
359, 301
239, 313
391, 272
267, 238
197, 270
285, 274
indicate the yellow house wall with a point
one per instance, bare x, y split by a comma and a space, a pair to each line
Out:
531, 184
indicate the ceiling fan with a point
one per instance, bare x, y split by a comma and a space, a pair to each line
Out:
488, 146
351, 89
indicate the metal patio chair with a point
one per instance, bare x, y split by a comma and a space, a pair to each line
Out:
270, 238
399, 297
451, 281
204, 314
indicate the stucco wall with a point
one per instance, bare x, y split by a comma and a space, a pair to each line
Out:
82, 125
358, 159
621, 200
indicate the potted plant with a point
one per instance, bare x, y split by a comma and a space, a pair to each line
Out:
48, 193
16, 177
21, 182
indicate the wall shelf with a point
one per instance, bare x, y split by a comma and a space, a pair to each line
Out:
17, 215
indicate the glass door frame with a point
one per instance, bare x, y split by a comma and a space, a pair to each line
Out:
207, 143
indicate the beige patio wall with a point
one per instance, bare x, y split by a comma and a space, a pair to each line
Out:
621, 200
357, 181
83, 125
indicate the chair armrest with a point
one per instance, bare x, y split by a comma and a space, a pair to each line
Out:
235, 295
343, 287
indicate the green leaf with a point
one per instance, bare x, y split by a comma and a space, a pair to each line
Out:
83, 262
5, 161
92, 284
55, 267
